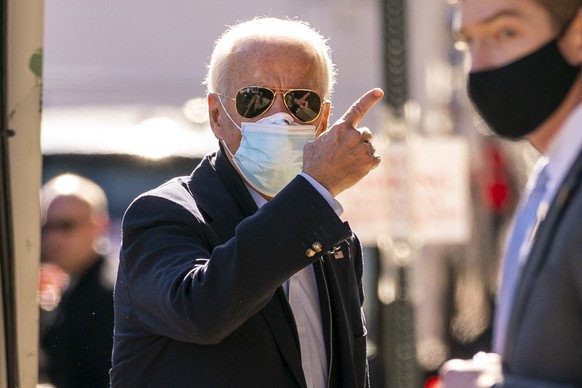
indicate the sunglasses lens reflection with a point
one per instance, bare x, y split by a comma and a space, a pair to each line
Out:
303, 104
252, 102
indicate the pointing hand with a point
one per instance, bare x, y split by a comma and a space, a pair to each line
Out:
342, 155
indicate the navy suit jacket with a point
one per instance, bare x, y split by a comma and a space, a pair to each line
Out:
198, 299
544, 339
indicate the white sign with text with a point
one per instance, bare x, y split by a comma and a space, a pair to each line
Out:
420, 191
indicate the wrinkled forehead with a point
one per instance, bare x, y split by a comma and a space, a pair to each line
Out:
289, 61
262, 49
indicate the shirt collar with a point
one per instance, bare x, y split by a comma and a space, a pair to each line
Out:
564, 149
259, 200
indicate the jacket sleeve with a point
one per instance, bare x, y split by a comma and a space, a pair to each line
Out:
180, 286
518, 382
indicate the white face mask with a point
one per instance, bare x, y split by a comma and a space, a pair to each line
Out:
270, 154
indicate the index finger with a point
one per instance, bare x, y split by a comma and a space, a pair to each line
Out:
358, 110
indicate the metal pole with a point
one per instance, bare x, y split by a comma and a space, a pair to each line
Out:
400, 368
395, 75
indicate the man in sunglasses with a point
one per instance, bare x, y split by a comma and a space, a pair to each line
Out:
243, 274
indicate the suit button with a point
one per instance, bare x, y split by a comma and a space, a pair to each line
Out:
317, 247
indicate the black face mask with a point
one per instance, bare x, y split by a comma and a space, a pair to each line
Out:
517, 98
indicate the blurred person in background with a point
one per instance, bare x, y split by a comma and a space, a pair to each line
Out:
76, 286
243, 274
525, 82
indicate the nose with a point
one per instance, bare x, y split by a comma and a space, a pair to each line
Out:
483, 57
278, 103
476, 57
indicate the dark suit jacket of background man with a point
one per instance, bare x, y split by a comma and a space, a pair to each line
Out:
77, 337
175, 327
544, 338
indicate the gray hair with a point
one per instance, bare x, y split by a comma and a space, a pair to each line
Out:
267, 29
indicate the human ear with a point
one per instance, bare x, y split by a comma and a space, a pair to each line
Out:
571, 42
214, 113
101, 224
325, 112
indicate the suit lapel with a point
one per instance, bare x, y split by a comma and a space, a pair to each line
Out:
221, 196
325, 305
279, 318
224, 200
234, 184
540, 249
339, 336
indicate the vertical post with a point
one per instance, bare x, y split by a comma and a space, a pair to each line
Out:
22, 25
395, 75
9, 353
401, 368
398, 343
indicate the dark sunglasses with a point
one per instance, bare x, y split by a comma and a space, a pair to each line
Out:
61, 226
253, 101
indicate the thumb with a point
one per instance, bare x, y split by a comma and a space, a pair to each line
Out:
358, 110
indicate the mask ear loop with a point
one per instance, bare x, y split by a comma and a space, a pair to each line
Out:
227, 114
235, 124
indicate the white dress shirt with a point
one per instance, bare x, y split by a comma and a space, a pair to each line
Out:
560, 156
301, 291
563, 151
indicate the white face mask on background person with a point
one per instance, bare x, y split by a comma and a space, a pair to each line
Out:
270, 154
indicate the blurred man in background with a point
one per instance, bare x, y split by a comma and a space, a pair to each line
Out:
525, 82
76, 290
